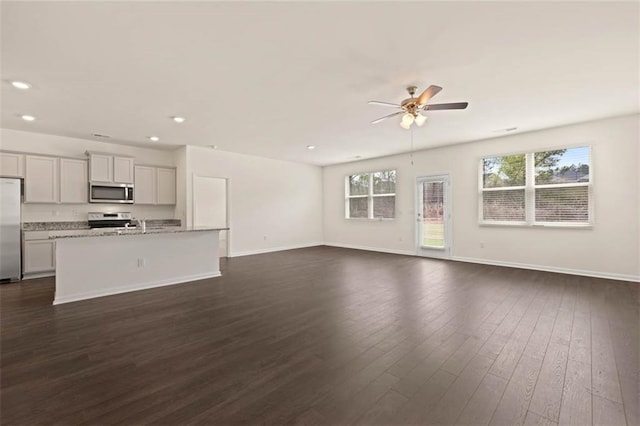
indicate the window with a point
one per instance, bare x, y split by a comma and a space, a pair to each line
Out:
371, 195
537, 188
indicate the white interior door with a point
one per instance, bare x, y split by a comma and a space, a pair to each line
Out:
210, 206
434, 216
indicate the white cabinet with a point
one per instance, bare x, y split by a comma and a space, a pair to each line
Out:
11, 165
55, 180
166, 186
145, 185
101, 167
109, 168
39, 253
41, 179
123, 169
155, 185
74, 182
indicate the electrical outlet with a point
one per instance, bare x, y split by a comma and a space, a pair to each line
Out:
481, 245
141, 262
265, 238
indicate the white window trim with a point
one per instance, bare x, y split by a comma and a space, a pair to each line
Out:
529, 194
370, 196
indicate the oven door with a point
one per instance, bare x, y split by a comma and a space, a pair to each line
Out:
116, 193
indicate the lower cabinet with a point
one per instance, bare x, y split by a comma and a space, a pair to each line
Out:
39, 255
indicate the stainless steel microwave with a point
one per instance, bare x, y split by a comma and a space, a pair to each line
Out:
115, 193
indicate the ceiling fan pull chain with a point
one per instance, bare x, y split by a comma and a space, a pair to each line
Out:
411, 153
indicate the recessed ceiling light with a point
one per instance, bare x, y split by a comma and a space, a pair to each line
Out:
21, 85
154, 138
178, 119
27, 117
214, 146
311, 147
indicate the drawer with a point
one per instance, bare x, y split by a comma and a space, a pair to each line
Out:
36, 235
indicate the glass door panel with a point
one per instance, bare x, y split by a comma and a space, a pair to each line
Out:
433, 214
433, 221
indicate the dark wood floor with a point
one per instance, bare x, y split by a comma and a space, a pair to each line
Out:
328, 336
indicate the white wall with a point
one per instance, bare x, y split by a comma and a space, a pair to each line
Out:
180, 158
38, 143
611, 248
272, 204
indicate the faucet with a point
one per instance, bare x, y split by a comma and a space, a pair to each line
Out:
142, 223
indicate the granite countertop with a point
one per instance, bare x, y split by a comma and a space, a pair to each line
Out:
112, 232
84, 225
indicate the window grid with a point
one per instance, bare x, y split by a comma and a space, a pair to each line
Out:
530, 188
370, 196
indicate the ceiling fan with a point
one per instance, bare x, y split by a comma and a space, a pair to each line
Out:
412, 106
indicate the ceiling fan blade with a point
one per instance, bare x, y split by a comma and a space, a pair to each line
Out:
387, 116
454, 105
388, 104
428, 93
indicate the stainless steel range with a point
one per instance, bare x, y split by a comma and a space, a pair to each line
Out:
110, 220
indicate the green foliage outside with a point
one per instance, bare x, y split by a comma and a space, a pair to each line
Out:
432, 233
383, 183
552, 204
359, 184
510, 170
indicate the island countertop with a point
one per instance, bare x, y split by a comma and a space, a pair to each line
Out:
111, 232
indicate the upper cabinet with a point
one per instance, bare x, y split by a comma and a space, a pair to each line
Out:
145, 185
101, 168
41, 179
123, 169
73, 181
110, 169
155, 185
66, 180
11, 165
166, 186
55, 180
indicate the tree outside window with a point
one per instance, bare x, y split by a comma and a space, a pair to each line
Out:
371, 195
536, 188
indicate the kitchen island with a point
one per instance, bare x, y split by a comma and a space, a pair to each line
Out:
101, 262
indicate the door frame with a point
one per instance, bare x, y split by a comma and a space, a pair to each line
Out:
444, 253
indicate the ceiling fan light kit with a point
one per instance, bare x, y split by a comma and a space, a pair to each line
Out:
412, 107
407, 121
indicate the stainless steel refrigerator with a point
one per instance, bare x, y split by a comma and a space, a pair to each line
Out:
9, 229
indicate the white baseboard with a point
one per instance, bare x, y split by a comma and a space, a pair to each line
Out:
581, 272
39, 275
272, 249
378, 249
126, 289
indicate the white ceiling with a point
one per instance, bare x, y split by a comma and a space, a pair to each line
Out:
270, 78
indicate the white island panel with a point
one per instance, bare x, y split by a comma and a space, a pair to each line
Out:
95, 266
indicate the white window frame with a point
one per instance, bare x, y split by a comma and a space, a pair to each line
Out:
530, 193
370, 196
